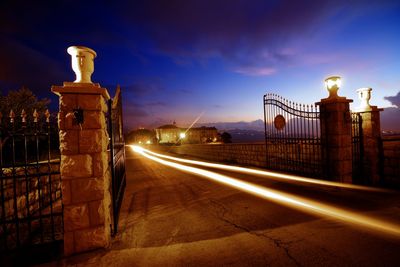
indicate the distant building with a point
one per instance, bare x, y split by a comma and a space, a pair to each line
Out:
170, 133
141, 136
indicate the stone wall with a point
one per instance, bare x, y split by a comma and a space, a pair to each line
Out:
391, 161
285, 156
246, 154
254, 155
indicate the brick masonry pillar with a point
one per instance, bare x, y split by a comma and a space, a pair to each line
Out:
84, 167
371, 129
335, 119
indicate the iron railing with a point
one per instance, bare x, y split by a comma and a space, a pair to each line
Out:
117, 155
30, 182
292, 136
357, 148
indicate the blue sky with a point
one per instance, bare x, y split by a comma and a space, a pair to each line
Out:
177, 59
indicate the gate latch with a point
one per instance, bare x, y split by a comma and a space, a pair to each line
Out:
78, 114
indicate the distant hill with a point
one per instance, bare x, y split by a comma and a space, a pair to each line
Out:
257, 125
246, 136
241, 131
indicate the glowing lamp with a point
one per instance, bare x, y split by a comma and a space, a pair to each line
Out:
333, 84
182, 135
148, 142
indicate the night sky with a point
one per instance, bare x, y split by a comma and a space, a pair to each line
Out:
177, 59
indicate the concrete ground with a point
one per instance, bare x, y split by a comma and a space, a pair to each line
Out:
172, 218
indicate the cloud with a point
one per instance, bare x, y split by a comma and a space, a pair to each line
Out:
134, 115
242, 32
157, 104
141, 102
395, 100
24, 65
390, 117
142, 89
256, 71
34, 36
186, 91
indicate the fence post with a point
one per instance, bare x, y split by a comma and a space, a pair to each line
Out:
84, 159
371, 128
335, 119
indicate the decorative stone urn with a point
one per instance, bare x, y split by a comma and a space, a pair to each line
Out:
364, 94
82, 61
332, 84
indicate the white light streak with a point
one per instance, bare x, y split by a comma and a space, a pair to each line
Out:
194, 122
278, 176
286, 199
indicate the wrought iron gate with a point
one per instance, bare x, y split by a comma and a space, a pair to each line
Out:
117, 156
30, 185
292, 136
357, 147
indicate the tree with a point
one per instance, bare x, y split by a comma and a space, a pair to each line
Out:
22, 99
226, 137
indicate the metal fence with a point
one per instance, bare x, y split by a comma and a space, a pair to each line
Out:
357, 148
117, 154
292, 135
30, 182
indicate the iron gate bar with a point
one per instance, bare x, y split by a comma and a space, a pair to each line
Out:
357, 148
28, 176
295, 147
110, 132
117, 154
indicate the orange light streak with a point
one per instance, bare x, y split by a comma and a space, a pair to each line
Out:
299, 203
270, 174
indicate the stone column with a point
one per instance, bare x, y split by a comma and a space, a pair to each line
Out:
84, 165
335, 119
371, 128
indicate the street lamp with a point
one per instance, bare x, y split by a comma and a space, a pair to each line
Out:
182, 135
332, 84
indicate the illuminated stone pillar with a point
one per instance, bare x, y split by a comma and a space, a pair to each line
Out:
84, 166
371, 131
335, 120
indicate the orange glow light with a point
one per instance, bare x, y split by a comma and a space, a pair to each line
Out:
270, 174
299, 203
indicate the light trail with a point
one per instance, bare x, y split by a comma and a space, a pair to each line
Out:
275, 175
286, 199
195, 121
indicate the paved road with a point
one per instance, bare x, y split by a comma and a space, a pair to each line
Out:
173, 218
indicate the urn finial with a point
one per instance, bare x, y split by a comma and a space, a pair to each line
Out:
82, 61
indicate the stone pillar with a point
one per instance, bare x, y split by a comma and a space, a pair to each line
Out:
84, 166
371, 129
335, 119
